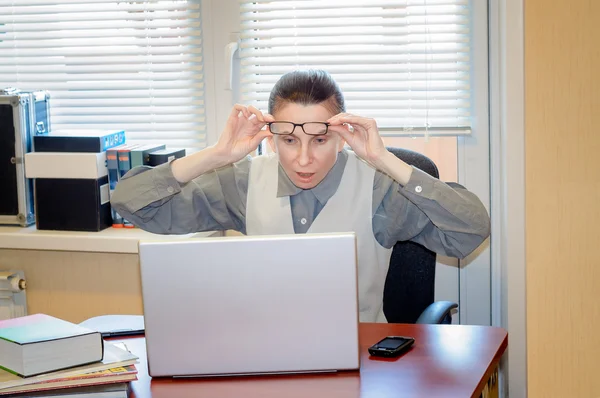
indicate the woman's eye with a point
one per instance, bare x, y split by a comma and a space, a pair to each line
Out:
320, 140
289, 140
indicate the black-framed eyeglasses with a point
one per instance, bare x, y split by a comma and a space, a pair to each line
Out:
309, 128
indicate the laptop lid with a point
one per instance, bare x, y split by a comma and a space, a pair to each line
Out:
245, 305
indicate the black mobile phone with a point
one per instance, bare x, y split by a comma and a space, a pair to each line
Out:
391, 346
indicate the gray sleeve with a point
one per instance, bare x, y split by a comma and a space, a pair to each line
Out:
152, 199
444, 217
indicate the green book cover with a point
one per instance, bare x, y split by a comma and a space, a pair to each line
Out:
140, 156
37, 328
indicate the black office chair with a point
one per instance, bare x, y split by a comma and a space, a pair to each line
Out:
408, 295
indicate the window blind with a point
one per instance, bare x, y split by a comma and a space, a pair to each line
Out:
132, 65
405, 63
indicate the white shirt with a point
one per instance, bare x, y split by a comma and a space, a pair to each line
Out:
349, 209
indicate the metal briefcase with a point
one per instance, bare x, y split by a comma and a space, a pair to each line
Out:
22, 115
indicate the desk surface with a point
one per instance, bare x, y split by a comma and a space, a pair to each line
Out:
445, 361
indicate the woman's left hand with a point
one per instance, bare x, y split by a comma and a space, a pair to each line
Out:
361, 134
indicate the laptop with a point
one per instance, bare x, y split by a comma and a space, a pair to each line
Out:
250, 305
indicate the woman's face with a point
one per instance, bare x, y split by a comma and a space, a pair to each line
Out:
306, 159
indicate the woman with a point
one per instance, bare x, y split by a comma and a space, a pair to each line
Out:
310, 183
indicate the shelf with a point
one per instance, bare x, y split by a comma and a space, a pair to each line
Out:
110, 240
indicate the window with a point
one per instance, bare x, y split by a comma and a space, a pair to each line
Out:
419, 67
132, 65
405, 63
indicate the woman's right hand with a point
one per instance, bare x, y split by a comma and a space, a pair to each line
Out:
243, 133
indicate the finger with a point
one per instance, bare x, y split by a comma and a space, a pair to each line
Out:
338, 120
257, 113
352, 128
335, 120
343, 132
347, 126
363, 122
253, 119
242, 109
257, 139
362, 126
256, 122
234, 113
268, 117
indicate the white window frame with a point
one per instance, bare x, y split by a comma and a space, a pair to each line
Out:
507, 70
221, 23
473, 153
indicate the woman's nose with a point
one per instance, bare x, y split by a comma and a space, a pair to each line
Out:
305, 156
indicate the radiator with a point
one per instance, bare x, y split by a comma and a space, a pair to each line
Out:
13, 302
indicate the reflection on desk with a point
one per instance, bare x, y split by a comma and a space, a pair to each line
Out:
445, 361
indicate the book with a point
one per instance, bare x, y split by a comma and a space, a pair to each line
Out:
108, 376
116, 390
78, 141
112, 164
115, 356
124, 158
141, 156
165, 155
40, 343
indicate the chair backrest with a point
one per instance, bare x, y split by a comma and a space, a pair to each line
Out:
410, 283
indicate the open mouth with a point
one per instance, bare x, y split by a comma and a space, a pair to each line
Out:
305, 178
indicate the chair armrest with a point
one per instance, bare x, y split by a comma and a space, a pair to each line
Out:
436, 312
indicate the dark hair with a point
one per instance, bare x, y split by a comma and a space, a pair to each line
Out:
307, 87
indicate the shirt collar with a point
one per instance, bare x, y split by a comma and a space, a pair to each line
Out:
326, 188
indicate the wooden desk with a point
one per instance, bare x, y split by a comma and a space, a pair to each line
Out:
446, 361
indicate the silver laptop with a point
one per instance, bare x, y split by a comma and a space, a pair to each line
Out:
250, 305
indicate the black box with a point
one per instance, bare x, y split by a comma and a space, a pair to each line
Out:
78, 141
22, 116
68, 204
165, 155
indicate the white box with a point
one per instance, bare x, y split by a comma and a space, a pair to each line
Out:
65, 165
